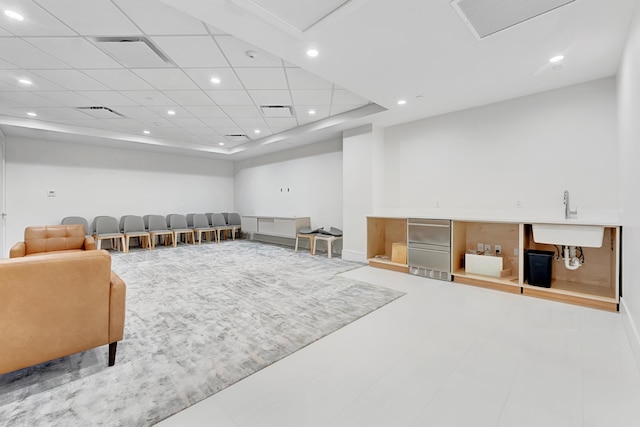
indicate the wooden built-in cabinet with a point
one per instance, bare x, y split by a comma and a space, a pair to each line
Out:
382, 233
595, 284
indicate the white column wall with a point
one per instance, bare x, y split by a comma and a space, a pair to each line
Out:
304, 181
629, 128
92, 180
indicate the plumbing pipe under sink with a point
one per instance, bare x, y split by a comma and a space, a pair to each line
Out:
571, 261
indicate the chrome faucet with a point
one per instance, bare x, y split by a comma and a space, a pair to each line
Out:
568, 213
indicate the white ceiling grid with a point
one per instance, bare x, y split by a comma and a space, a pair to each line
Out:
55, 48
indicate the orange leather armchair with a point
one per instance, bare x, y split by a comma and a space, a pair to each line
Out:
58, 304
52, 238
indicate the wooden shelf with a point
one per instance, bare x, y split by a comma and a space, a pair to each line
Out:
575, 293
388, 265
507, 284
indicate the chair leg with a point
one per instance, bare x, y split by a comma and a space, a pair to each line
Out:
112, 353
296, 248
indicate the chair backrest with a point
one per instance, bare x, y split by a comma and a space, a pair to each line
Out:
226, 217
107, 225
168, 217
200, 221
218, 220
76, 220
177, 222
190, 219
145, 219
156, 223
133, 224
234, 219
210, 218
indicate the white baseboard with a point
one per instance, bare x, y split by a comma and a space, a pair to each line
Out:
354, 256
631, 329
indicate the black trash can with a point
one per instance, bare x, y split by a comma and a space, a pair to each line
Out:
537, 267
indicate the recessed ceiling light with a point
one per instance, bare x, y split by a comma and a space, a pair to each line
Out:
25, 81
220, 143
312, 53
146, 132
171, 113
256, 131
312, 112
32, 114
14, 15
215, 80
557, 58
402, 102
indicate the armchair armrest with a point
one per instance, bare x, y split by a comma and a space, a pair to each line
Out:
18, 250
116, 308
89, 244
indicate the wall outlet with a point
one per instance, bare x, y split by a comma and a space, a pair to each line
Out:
480, 248
487, 249
51, 193
498, 249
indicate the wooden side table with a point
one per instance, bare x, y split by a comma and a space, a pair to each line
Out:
312, 241
327, 238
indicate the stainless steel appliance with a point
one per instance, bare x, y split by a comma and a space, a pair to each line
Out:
429, 248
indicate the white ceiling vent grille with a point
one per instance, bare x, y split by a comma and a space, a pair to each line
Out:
276, 110
236, 137
134, 52
486, 17
101, 112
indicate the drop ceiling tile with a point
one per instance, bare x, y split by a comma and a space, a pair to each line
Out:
74, 51
163, 20
188, 123
262, 78
122, 124
219, 123
70, 79
235, 51
281, 124
7, 65
271, 97
108, 98
156, 122
137, 113
303, 116
148, 97
251, 123
176, 132
189, 97
230, 97
209, 111
192, 51
311, 97
119, 79
24, 55
7, 103
4, 33
229, 130
28, 99
63, 113
37, 21
206, 132
67, 98
166, 79
162, 111
92, 18
344, 97
242, 111
215, 31
302, 79
9, 81
249, 131
338, 109
203, 76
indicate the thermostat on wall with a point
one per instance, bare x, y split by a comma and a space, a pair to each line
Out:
51, 193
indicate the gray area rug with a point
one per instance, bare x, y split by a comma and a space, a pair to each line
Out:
199, 318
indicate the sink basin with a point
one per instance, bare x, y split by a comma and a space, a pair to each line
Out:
588, 236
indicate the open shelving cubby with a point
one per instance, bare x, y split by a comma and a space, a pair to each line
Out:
467, 235
595, 284
382, 233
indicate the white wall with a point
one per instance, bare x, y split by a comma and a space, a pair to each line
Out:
92, 180
629, 107
482, 161
305, 181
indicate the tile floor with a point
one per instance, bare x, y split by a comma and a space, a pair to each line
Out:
444, 355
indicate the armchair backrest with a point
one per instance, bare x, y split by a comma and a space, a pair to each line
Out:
49, 238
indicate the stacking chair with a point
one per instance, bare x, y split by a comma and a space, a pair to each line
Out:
236, 222
190, 219
133, 226
226, 217
201, 225
77, 220
178, 224
107, 228
219, 224
156, 225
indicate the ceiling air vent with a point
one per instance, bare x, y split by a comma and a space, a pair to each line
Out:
276, 110
486, 17
101, 112
236, 137
134, 52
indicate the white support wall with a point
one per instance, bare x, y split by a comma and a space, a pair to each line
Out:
92, 180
